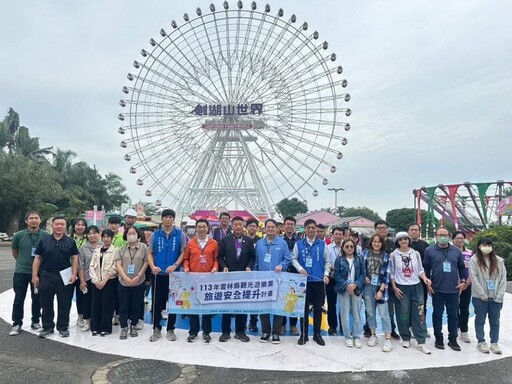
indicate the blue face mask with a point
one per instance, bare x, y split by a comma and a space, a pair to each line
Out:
443, 240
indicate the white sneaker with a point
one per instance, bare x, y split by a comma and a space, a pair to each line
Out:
349, 343
406, 343
372, 341
80, 322
465, 337
157, 333
387, 347
15, 330
140, 325
483, 347
495, 348
357, 343
423, 348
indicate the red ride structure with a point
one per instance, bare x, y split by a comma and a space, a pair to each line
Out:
470, 207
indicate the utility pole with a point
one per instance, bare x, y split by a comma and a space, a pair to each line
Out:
336, 190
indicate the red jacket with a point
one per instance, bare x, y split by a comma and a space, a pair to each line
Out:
201, 260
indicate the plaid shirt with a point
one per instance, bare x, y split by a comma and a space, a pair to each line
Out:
384, 273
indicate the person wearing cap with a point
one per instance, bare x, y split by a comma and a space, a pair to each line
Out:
311, 258
165, 254
489, 283
130, 217
406, 272
444, 265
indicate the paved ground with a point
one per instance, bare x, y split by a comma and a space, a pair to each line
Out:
26, 359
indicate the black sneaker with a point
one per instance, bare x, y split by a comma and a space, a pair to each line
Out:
454, 345
264, 338
224, 337
95, 333
319, 339
192, 338
439, 344
275, 339
45, 332
253, 328
332, 332
103, 334
368, 333
206, 338
242, 337
395, 335
64, 333
303, 340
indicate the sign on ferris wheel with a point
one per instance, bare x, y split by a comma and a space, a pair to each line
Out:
234, 106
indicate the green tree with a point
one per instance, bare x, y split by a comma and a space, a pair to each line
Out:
399, 219
365, 212
24, 184
501, 237
291, 207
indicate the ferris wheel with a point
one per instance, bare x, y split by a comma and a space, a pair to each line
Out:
234, 107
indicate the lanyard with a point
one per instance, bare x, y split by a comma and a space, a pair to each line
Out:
132, 255
34, 243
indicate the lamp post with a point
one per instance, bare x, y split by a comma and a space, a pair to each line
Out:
336, 190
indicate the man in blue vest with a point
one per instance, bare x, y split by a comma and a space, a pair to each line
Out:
311, 258
165, 255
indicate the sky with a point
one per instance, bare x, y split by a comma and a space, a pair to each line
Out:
431, 85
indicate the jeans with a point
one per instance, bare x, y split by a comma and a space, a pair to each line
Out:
411, 312
206, 322
160, 284
51, 285
482, 309
371, 306
20, 283
464, 301
350, 304
451, 301
129, 303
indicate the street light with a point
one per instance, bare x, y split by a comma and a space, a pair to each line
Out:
336, 190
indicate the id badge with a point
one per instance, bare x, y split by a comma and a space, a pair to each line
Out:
131, 269
490, 284
267, 258
447, 266
202, 260
309, 262
375, 280
33, 254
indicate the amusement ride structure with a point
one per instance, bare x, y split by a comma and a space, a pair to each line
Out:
234, 107
470, 207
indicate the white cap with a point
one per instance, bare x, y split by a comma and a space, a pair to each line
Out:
130, 212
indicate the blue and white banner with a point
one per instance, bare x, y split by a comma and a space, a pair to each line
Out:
237, 292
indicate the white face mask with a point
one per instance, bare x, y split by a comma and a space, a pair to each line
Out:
132, 238
486, 249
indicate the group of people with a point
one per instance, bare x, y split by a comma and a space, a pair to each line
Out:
110, 270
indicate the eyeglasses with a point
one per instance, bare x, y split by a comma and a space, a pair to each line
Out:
403, 238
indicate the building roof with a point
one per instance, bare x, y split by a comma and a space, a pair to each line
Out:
321, 217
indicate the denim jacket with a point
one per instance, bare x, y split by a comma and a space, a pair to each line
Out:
341, 274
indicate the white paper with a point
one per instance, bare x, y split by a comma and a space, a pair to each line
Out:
66, 274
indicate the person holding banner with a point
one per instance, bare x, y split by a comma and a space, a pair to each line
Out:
272, 254
311, 258
201, 256
252, 227
236, 253
165, 255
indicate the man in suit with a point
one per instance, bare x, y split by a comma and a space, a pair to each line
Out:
236, 253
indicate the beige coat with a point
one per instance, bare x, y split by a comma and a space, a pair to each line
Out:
108, 267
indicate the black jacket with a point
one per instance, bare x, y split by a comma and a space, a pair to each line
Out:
227, 254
